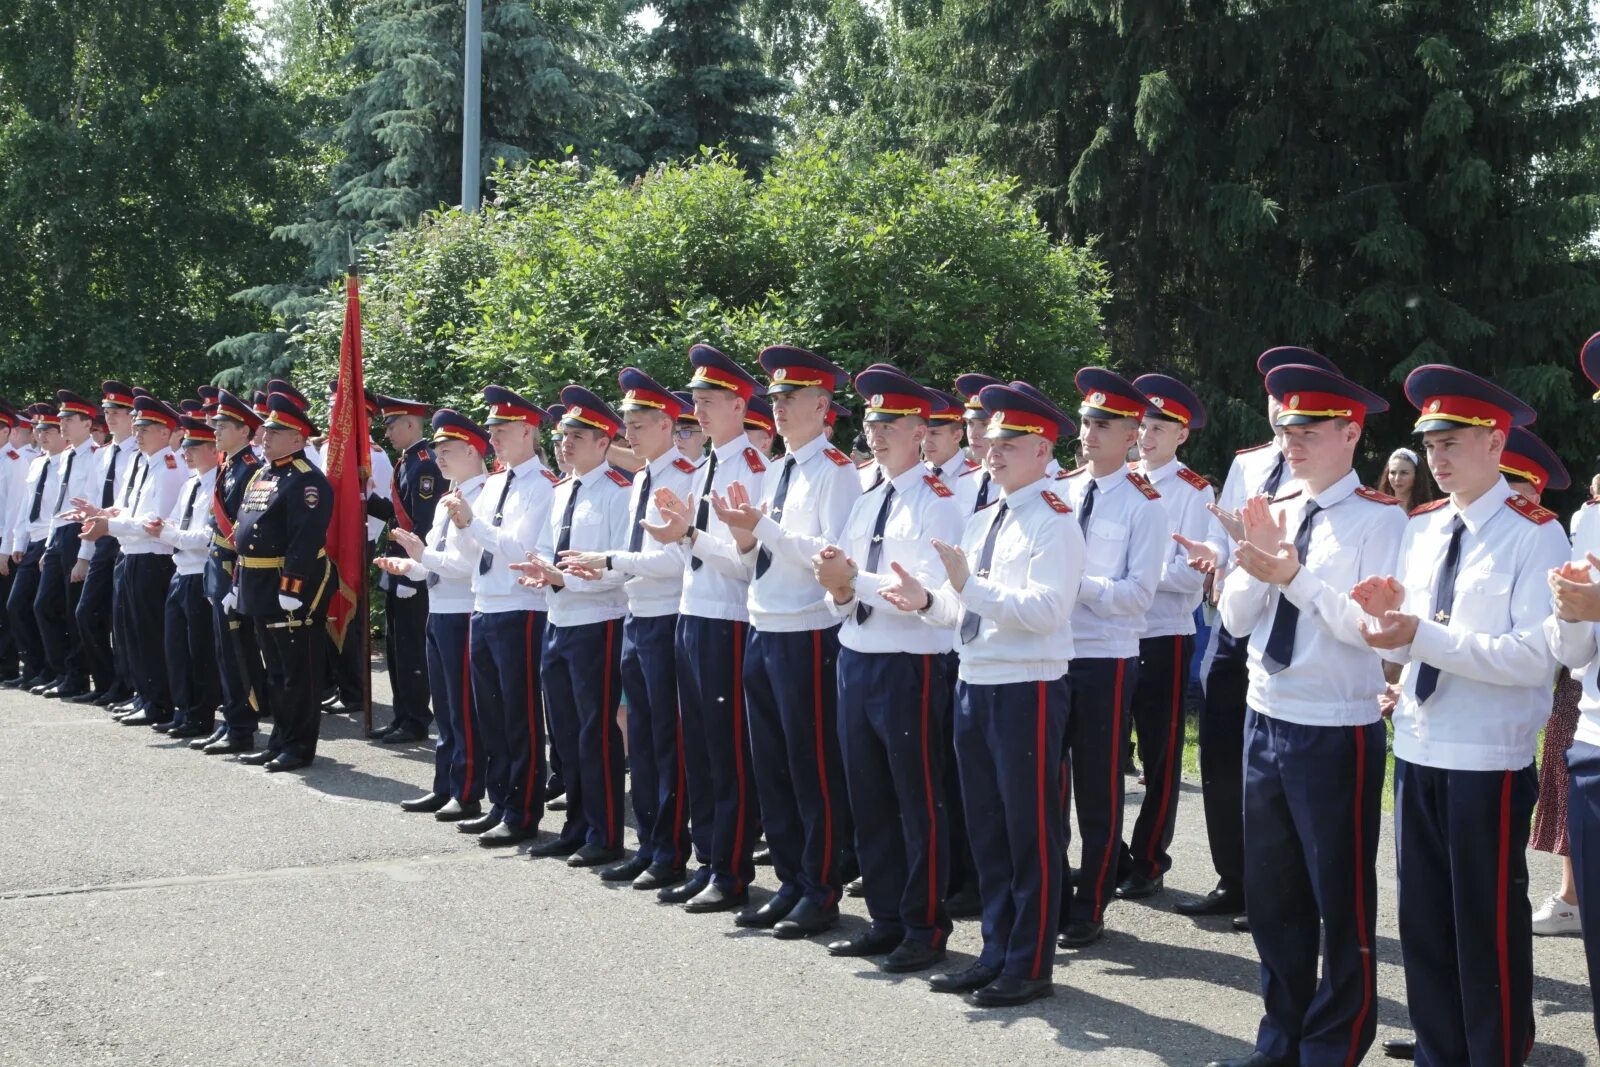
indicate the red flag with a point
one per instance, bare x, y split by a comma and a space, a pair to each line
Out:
348, 465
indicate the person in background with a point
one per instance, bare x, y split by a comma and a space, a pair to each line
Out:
689, 437
1406, 481
759, 425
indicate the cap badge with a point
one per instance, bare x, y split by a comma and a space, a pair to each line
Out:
1097, 398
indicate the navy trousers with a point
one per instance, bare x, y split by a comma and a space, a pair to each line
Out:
1221, 762
1583, 833
93, 616
458, 761
1097, 731
1008, 745
293, 648
1158, 718
582, 686
405, 645
23, 624
54, 606
1312, 810
655, 740
191, 651
146, 578
724, 821
963, 872
791, 690
8, 643
1466, 929
506, 691
242, 674
894, 714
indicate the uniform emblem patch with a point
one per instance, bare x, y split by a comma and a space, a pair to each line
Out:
312, 495
425, 487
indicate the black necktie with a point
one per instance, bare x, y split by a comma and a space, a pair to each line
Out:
636, 535
66, 477
1280, 641
1444, 601
188, 508
108, 491
1269, 488
444, 536
876, 481
486, 560
1088, 505
564, 535
38, 492
983, 491
938, 472
130, 488
764, 554
971, 620
703, 513
875, 550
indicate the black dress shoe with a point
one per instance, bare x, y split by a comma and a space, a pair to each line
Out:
164, 727
714, 898
1137, 886
767, 915
659, 877
807, 918
259, 759
478, 825
286, 761
965, 904
13, 683
68, 692
1008, 992
856, 887
503, 835
627, 870
429, 802
404, 737
1400, 1048
909, 956
108, 698
215, 735
1080, 932
41, 688
86, 698
594, 856
965, 980
225, 745
138, 718
685, 890
557, 802
557, 847
1241, 923
455, 811
762, 857
872, 941
190, 730
381, 732
1216, 902
1255, 1059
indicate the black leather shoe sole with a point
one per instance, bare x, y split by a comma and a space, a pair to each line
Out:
1140, 888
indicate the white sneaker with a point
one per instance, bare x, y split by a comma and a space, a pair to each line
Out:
1556, 916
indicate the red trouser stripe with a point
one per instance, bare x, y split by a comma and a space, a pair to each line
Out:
1174, 764
466, 714
738, 754
679, 856
1113, 808
818, 709
1502, 913
1357, 1024
535, 741
927, 792
613, 835
1040, 946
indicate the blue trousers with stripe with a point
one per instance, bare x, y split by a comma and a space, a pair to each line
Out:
1466, 930
894, 710
505, 687
1157, 712
458, 758
191, 651
582, 685
724, 820
1097, 732
1312, 809
1583, 833
1008, 745
655, 739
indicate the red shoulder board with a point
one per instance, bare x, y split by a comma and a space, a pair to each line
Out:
1423, 509
1529, 510
684, 465
839, 458
555, 479
1194, 478
422, 454
618, 477
972, 464
497, 467
1252, 448
1068, 474
11, 453
1376, 497
1057, 505
974, 469
753, 460
938, 487
172, 462
1143, 485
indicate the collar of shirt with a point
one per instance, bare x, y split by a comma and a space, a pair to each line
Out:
1336, 492
1169, 469
1486, 507
85, 448
1108, 482
471, 483
732, 448
906, 480
1028, 496
656, 466
528, 468
804, 453
1052, 468
127, 444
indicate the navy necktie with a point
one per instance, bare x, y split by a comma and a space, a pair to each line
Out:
38, 492
486, 560
564, 535
108, 491
1088, 505
983, 491
875, 550
66, 478
636, 535
188, 507
702, 514
1280, 640
1269, 487
972, 620
1444, 602
764, 554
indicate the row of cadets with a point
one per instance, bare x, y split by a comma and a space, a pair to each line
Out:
445, 567
28, 540
1127, 536
17, 453
66, 559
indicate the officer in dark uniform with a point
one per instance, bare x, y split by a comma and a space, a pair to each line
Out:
284, 578
410, 505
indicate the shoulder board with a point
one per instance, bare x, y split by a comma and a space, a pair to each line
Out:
1061, 475
684, 465
1586, 503
938, 487
1194, 478
972, 464
1057, 505
555, 479
753, 460
1143, 485
1134, 466
838, 458
422, 454
1286, 496
172, 462
990, 504
302, 466
11, 453
1376, 497
374, 445
1423, 509
1529, 510
974, 469
618, 477
1252, 448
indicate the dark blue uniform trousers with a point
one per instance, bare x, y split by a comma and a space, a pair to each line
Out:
655, 740
458, 762
791, 690
716, 747
8, 643
146, 577
963, 872
1097, 732
894, 713
243, 673
1158, 717
191, 652
1312, 802
582, 688
54, 606
1583, 833
1466, 930
94, 619
1221, 764
1008, 745
23, 623
506, 691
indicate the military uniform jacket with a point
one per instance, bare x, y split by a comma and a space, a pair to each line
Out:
410, 504
14, 463
79, 469
32, 485
228, 493
823, 487
282, 538
154, 482
1184, 496
598, 503
1124, 549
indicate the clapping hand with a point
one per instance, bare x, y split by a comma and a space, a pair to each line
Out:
400, 568
586, 565
1378, 596
905, 592
1201, 555
955, 563
676, 517
1576, 595
834, 572
537, 574
1265, 553
408, 541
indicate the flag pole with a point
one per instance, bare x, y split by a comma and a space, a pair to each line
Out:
363, 597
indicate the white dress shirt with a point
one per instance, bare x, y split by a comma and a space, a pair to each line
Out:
115, 459
1025, 601
151, 492
82, 484
1334, 677
23, 530
1184, 496
1574, 643
917, 515
600, 521
187, 528
1124, 552
446, 564
822, 488
1247, 477
976, 478
523, 514
655, 571
1494, 658
14, 501
719, 588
